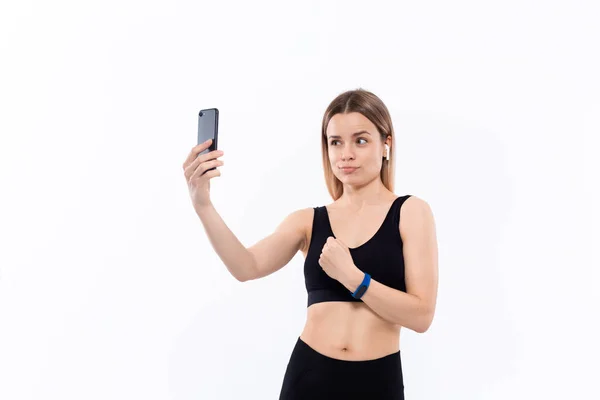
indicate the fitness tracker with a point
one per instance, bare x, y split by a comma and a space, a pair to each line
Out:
362, 288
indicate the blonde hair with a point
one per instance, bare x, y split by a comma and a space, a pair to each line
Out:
371, 106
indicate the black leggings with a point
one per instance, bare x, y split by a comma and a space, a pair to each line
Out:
311, 375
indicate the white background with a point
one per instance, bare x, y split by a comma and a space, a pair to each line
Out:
109, 288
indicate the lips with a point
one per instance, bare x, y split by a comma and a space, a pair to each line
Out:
348, 169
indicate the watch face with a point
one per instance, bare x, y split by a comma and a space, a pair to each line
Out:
361, 290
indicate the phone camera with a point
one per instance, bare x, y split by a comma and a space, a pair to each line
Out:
201, 113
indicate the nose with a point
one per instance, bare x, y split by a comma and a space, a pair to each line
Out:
347, 155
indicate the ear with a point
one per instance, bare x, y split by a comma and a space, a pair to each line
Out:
388, 141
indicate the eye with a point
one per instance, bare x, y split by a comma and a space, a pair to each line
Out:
332, 143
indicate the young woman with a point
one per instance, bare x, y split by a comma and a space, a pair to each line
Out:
370, 257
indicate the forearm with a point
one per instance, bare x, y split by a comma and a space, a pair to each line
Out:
238, 260
391, 304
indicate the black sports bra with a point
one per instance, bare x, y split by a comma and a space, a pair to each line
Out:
381, 256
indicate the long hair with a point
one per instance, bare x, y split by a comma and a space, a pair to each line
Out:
371, 106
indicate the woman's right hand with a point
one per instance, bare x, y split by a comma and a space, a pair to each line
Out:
197, 178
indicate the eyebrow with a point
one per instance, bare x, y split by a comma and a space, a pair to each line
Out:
354, 134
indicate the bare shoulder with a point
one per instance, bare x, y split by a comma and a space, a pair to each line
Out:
415, 215
420, 251
301, 220
274, 251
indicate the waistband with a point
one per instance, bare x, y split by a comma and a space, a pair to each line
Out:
391, 360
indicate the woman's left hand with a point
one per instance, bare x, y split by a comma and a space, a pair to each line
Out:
337, 261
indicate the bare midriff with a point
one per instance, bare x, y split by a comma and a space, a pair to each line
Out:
349, 331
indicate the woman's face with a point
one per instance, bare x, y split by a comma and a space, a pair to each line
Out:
353, 141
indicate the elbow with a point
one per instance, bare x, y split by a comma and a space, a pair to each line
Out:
248, 274
424, 323
243, 278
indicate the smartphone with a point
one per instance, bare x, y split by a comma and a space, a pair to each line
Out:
208, 127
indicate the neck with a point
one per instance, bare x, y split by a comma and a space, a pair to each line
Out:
358, 197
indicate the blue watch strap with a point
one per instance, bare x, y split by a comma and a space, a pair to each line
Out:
362, 288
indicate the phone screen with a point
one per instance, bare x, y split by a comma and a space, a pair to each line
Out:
208, 125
